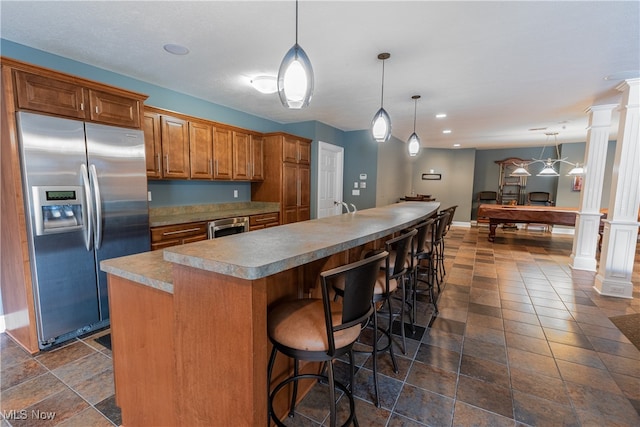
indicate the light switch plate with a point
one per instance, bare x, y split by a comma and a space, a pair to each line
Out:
355, 192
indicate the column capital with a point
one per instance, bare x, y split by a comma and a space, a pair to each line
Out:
603, 107
628, 83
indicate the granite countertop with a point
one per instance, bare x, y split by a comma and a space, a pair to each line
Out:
147, 268
173, 215
268, 251
265, 252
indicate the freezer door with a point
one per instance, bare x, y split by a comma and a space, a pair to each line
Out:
118, 176
63, 270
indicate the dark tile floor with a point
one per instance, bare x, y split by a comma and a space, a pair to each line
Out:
520, 340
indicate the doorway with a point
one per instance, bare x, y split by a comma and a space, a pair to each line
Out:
330, 176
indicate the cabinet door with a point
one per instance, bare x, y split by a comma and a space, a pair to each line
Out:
175, 147
49, 95
289, 193
241, 156
257, 158
222, 153
152, 144
304, 193
114, 109
290, 149
304, 152
201, 150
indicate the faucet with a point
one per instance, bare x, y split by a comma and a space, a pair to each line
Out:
345, 206
354, 208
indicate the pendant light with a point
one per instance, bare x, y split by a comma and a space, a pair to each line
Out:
295, 76
381, 124
577, 170
414, 140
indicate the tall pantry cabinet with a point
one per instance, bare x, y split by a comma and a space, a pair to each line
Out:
287, 176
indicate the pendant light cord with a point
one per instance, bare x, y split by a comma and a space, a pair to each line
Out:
296, 21
415, 110
382, 96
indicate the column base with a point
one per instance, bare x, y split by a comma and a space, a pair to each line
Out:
583, 263
613, 288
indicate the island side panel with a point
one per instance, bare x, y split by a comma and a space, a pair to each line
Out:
221, 348
143, 353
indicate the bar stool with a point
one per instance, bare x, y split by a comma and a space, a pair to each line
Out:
452, 211
441, 224
423, 253
321, 330
391, 278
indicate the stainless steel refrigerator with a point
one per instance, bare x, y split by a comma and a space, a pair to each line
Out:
85, 192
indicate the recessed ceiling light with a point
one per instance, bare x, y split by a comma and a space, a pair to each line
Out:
446, 131
441, 115
265, 84
456, 145
176, 49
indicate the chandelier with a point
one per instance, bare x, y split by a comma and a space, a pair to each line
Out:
549, 163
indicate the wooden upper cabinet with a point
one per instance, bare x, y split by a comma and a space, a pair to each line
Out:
152, 144
222, 153
39, 93
201, 150
296, 151
241, 155
257, 158
175, 147
67, 98
113, 109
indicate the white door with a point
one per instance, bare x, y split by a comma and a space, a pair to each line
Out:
330, 164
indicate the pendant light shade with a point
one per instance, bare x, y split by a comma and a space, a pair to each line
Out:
520, 171
414, 139
548, 169
381, 124
295, 76
577, 170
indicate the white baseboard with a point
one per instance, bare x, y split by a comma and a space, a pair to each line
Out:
461, 224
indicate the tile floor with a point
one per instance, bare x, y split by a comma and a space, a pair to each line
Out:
520, 340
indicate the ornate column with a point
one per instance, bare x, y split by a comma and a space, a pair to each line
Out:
585, 241
621, 226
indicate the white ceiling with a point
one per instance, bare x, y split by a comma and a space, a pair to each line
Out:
498, 69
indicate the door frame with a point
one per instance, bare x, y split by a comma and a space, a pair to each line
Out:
339, 189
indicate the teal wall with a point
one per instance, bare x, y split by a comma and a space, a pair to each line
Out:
184, 192
361, 157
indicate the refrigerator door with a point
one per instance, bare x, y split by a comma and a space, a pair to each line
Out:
118, 177
63, 270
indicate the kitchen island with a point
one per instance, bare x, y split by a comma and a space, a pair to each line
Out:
188, 326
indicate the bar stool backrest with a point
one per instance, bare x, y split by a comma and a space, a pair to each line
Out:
358, 280
452, 212
442, 220
403, 248
425, 230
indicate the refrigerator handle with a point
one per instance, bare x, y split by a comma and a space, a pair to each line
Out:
88, 213
98, 205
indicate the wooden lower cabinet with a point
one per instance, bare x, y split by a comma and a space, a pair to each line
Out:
172, 235
257, 222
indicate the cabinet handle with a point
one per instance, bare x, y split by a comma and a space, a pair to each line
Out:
158, 162
97, 111
210, 167
82, 106
266, 219
189, 230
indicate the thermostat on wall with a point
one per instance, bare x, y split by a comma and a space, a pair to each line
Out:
363, 176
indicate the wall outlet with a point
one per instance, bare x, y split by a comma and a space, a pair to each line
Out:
235, 194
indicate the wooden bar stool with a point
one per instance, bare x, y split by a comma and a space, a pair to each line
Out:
321, 330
